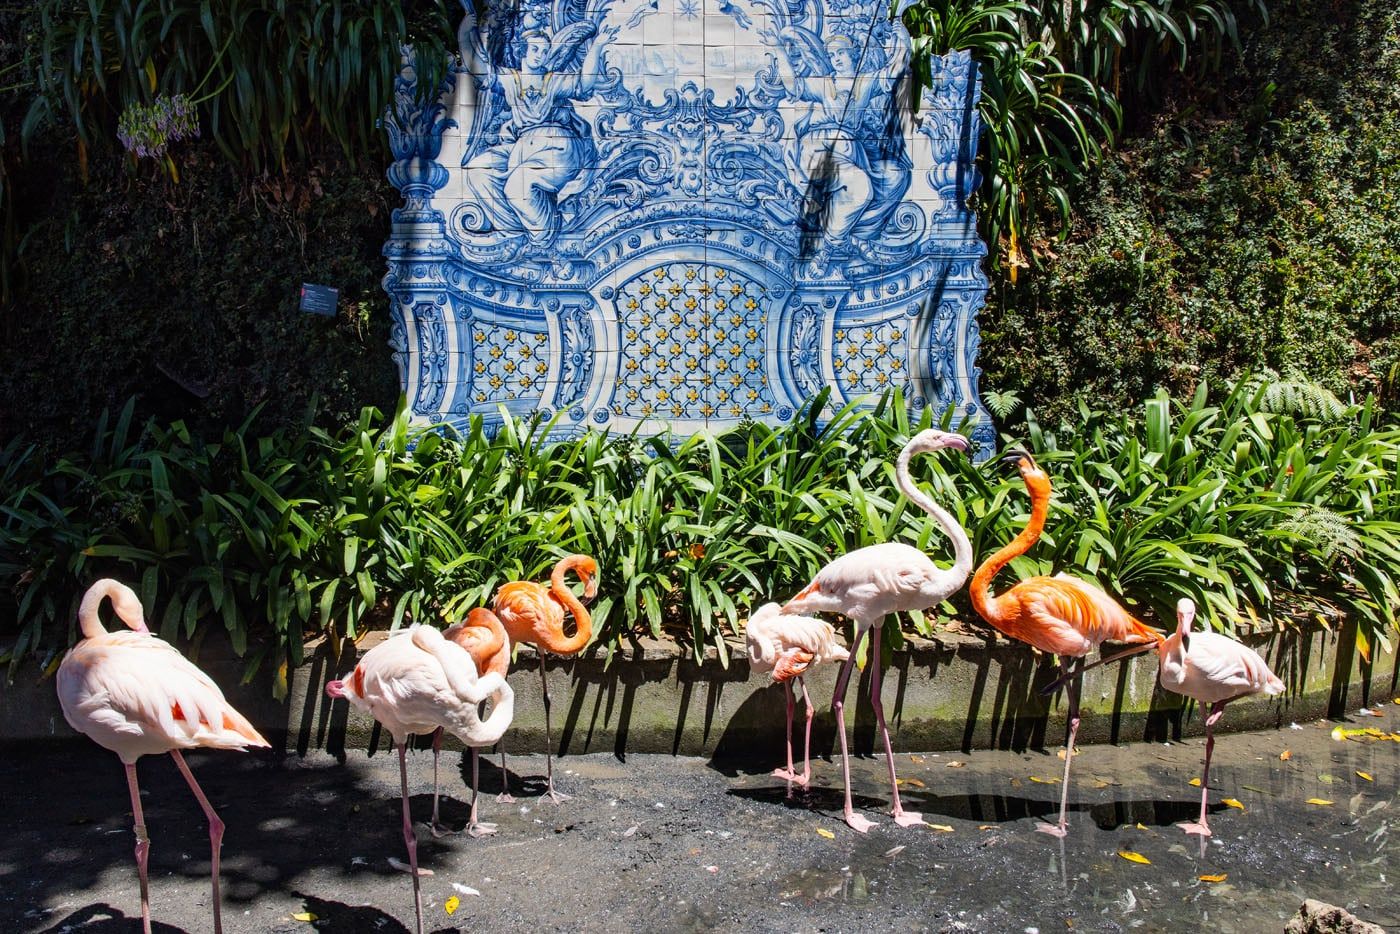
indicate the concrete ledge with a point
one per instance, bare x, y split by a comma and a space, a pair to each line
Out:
954, 692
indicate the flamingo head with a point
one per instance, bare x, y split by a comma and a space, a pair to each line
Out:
931, 439
1185, 615
129, 609
587, 570
335, 689
1036, 479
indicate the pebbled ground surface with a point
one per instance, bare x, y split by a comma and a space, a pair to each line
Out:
684, 844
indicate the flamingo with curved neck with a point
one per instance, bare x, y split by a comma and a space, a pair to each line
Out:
534, 614
1060, 615
136, 695
870, 583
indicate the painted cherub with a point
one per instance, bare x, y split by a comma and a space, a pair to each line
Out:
546, 150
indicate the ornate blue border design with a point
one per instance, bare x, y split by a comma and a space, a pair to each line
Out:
647, 212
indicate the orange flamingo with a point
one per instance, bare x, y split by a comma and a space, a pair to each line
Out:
534, 613
1060, 615
484, 638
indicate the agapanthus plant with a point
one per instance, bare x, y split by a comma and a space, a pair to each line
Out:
149, 129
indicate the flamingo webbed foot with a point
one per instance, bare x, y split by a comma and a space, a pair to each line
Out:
441, 830
405, 868
558, 797
857, 823
1054, 830
1197, 828
505, 797
789, 775
908, 818
480, 829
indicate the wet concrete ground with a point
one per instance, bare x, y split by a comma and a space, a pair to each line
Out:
684, 844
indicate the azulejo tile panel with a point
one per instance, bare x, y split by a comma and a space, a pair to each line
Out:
684, 213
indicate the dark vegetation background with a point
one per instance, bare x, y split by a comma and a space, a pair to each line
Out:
1248, 220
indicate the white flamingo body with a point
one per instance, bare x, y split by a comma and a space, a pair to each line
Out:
1215, 670
870, 583
780, 643
416, 682
136, 695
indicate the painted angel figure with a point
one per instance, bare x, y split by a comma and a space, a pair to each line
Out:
852, 169
546, 150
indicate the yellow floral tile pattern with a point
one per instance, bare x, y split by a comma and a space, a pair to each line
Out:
692, 344
507, 363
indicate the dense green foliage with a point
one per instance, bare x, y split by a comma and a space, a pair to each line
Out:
1253, 226
1057, 77
1248, 510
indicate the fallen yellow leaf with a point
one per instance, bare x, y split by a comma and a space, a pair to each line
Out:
1285, 755
918, 759
943, 827
985, 827
451, 904
1132, 857
1141, 825
1044, 781
1220, 878
826, 833
1231, 803
955, 765
305, 916
1195, 781
1365, 776
915, 782
1320, 802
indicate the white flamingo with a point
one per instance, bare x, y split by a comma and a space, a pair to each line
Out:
789, 647
870, 583
1215, 670
134, 694
415, 682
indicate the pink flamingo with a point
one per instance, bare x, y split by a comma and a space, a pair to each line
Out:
1213, 669
789, 647
870, 583
134, 694
485, 640
415, 682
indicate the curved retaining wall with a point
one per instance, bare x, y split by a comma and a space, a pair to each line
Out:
950, 693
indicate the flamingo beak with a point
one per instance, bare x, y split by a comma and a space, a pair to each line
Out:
957, 442
1011, 457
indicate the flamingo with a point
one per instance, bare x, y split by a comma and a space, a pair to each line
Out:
1061, 615
534, 613
789, 647
484, 638
869, 583
1213, 669
415, 682
134, 694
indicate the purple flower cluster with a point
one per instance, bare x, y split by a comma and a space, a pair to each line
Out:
149, 129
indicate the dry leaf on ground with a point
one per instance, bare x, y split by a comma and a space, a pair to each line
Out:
1132, 857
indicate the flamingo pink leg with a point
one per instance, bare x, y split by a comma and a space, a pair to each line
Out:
1060, 828
788, 773
806, 775
555, 796
216, 832
505, 797
410, 841
901, 817
143, 845
1200, 827
477, 828
437, 827
838, 706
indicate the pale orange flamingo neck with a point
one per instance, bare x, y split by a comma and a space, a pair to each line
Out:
561, 593
124, 601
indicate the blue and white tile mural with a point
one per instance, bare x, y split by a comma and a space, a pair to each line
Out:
684, 213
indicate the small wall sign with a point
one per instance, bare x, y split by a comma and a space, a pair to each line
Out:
319, 299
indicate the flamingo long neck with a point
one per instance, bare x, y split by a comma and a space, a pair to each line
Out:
494, 640
89, 622
962, 548
990, 608
558, 643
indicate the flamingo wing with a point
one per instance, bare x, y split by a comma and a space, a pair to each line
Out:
814, 637
136, 685
874, 580
1218, 668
